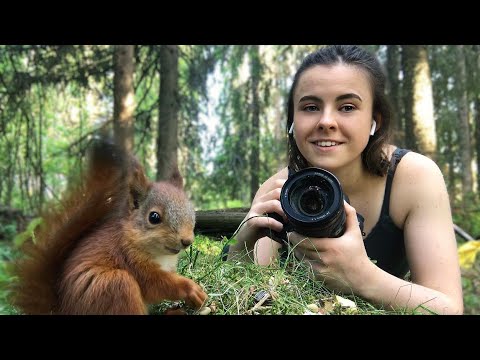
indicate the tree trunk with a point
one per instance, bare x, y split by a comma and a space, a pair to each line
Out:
39, 162
124, 95
167, 137
477, 119
419, 120
394, 92
451, 170
477, 141
255, 130
463, 128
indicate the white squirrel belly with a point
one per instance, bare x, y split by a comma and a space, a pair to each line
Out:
167, 262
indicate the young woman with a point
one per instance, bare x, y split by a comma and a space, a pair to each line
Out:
339, 120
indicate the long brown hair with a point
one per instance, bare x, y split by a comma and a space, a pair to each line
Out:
373, 156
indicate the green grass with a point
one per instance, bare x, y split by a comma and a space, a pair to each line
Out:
232, 285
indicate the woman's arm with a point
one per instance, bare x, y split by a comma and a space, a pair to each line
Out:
430, 248
430, 244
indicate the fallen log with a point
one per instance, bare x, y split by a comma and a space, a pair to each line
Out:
219, 223
223, 222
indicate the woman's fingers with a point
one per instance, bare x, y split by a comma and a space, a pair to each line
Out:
271, 195
258, 217
307, 243
351, 222
265, 204
263, 221
267, 207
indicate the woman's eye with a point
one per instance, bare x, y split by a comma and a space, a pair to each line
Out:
154, 218
348, 108
310, 108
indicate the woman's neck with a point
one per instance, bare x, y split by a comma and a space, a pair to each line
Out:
354, 178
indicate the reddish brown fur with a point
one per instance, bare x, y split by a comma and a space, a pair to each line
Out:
97, 253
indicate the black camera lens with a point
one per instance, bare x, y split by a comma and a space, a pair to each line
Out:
312, 200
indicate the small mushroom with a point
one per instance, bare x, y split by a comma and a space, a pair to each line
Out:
204, 311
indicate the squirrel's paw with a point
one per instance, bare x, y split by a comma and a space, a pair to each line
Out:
195, 296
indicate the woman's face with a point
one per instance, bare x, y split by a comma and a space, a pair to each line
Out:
332, 115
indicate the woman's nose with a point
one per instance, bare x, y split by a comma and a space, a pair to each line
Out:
326, 121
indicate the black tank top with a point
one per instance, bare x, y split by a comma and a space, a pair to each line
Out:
385, 244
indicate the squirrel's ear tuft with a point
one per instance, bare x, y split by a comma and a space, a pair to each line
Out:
176, 178
138, 183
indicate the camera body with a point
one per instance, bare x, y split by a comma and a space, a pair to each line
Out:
312, 199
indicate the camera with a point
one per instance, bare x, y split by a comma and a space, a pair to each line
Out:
312, 200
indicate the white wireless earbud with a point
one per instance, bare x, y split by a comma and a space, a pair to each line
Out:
291, 129
374, 126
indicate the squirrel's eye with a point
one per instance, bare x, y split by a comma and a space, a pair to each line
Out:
154, 218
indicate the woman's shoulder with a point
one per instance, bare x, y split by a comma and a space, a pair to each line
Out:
418, 180
414, 163
418, 175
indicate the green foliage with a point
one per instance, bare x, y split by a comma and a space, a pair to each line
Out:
445, 86
28, 233
8, 231
466, 214
471, 288
44, 116
47, 114
7, 254
468, 221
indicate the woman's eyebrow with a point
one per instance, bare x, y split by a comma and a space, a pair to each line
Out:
348, 96
338, 98
310, 98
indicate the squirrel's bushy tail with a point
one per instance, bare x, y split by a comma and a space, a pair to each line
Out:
83, 208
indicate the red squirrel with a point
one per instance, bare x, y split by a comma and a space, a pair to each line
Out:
112, 246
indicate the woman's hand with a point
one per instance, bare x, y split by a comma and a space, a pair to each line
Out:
256, 224
341, 262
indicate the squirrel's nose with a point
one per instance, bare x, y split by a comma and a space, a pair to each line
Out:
187, 242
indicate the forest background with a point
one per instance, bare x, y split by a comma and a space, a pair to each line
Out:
218, 111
